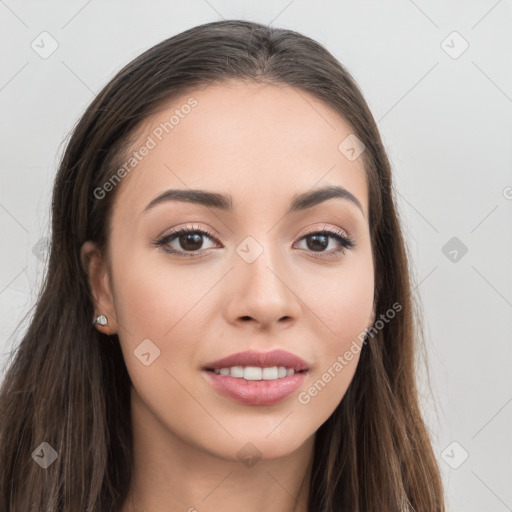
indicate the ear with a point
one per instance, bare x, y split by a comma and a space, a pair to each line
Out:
95, 266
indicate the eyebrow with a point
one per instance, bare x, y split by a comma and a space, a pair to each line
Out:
225, 202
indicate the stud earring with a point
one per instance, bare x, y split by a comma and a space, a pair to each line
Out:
101, 320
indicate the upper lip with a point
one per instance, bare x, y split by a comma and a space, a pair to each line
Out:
261, 359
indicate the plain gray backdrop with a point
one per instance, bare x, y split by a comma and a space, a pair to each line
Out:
438, 78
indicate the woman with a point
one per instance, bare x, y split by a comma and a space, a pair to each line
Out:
227, 318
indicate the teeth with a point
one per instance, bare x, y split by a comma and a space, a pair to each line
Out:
270, 373
252, 373
256, 373
236, 371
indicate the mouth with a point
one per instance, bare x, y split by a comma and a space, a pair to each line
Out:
250, 361
254, 373
257, 378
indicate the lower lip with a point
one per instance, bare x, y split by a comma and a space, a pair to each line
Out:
255, 392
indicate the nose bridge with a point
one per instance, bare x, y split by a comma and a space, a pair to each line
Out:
262, 291
258, 263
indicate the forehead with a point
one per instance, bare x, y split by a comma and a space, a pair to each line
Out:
250, 140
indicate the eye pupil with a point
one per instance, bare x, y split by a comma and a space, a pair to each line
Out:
317, 242
191, 241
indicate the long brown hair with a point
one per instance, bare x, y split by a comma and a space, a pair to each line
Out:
67, 384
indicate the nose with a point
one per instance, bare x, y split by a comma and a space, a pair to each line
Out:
262, 294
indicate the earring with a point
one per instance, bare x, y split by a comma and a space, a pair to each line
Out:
101, 320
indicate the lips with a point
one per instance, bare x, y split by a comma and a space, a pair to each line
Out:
257, 378
260, 359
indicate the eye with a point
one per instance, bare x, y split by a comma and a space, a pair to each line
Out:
189, 242
185, 241
319, 241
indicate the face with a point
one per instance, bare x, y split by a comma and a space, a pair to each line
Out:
250, 275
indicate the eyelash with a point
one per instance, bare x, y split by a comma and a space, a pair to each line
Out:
344, 241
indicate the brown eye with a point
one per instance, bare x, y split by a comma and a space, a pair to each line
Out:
185, 241
190, 241
319, 241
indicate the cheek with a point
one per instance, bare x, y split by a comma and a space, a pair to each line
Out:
154, 306
342, 299
153, 298
158, 302
343, 305
337, 355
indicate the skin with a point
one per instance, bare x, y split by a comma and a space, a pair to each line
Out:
263, 145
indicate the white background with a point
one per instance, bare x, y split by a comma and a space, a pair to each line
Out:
446, 123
